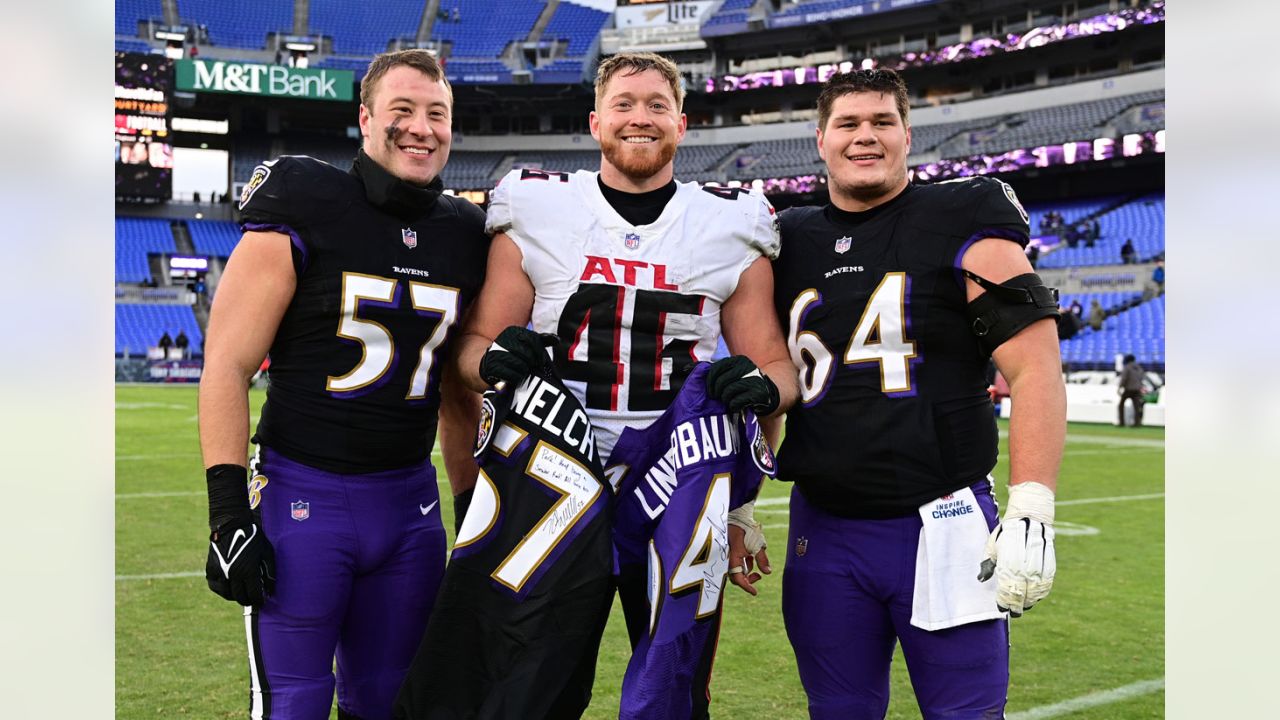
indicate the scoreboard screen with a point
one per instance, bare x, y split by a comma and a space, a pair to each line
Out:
144, 153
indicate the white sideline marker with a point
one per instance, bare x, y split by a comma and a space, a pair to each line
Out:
1105, 697
766, 502
160, 576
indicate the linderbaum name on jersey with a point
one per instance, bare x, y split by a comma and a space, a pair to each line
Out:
635, 306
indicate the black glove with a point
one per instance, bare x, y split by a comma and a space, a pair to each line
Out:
461, 502
738, 383
516, 354
241, 564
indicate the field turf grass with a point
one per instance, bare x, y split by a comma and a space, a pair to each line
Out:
180, 649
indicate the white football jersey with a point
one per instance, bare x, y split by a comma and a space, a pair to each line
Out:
635, 306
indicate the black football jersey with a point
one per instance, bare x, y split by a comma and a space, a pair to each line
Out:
517, 624
356, 362
894, 410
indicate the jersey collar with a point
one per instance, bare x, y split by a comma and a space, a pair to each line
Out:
854, 219
391, 194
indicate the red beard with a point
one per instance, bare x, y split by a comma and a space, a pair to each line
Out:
638, 165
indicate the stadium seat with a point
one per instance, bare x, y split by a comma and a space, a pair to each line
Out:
139, 326
136, 239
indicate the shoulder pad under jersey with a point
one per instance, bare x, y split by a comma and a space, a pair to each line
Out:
751, 209
295, 190
987, 207
520, 181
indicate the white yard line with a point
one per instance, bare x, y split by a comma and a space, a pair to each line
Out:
1117, 498
1104, 697
133, 496
160, 576
1113, 440
768, 502
158, 456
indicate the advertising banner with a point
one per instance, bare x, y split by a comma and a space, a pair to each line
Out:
243, 78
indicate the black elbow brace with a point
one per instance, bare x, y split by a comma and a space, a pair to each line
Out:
1005, 309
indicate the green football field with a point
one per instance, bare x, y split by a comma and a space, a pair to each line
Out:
1094, 649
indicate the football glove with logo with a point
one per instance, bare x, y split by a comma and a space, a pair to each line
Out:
1020, 553
739, 384
516, 354
242, 564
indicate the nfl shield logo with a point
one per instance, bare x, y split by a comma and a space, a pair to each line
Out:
300, 510
843, 244
410, 238
632, 241
802, 546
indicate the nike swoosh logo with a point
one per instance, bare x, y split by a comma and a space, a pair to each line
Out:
427, 508
233, 551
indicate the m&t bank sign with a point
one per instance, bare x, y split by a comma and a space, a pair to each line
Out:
241, 78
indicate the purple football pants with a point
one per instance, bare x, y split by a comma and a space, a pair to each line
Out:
846, 598
359, 559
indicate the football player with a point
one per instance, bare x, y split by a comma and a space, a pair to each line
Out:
637, 275
354, 282
893, 297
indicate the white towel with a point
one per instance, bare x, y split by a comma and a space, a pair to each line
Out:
952, 542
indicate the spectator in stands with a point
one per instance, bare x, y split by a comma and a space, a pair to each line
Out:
1077, 309
165, 343
1128, 255
1095, 230
347, 440
1157, 277
279, 56
199, 288
457, 14
1130, 388
1033, 253
1069, 324
182, 342
1096, 314
1072, 236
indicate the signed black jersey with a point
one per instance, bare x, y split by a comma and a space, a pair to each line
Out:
355, 364
893, 410
517, 624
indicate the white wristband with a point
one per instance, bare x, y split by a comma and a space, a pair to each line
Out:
1030, 500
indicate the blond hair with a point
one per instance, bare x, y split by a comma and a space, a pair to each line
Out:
632, 63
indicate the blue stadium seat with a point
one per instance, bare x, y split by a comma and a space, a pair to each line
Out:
139, 326
216, 238
366, 28
129, 12
1141, 220
577, 24
239, 23
135, 239
481, 33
